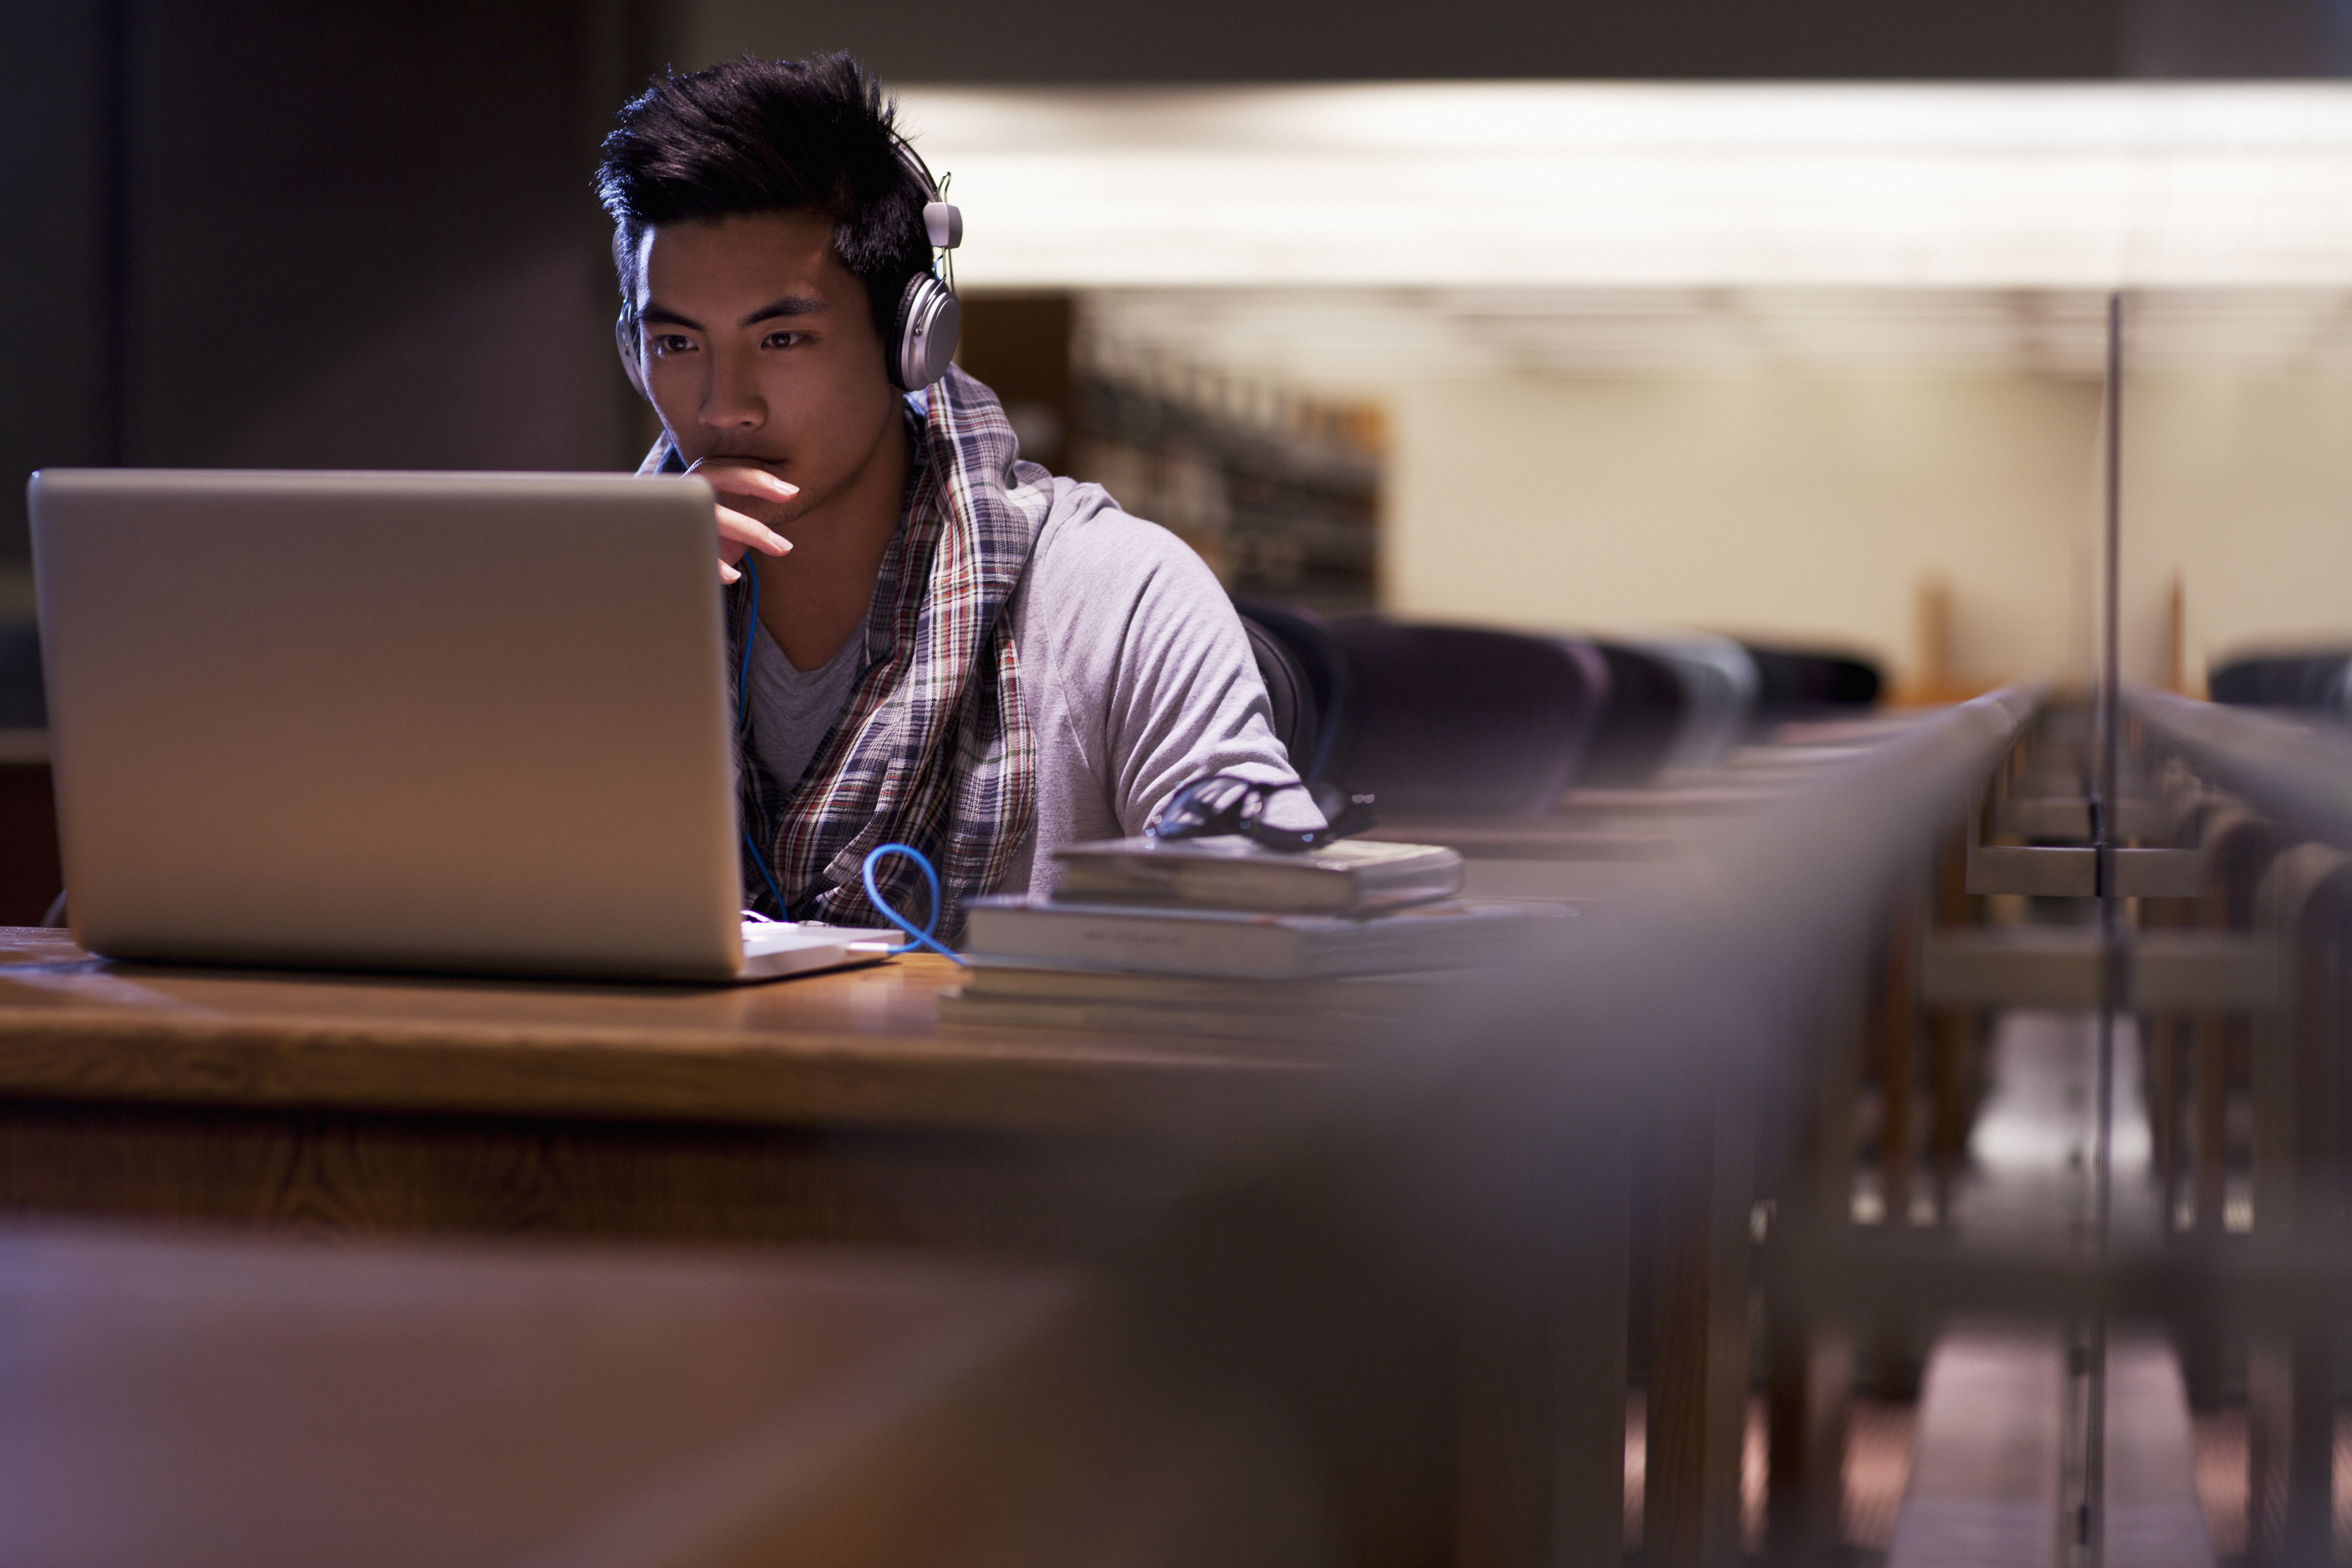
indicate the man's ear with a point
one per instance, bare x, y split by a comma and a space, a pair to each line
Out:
624, 338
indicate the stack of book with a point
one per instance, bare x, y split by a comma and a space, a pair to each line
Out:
1219, 937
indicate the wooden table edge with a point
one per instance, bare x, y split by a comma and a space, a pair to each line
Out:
570, 1071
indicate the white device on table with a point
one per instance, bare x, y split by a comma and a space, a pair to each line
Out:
412, 720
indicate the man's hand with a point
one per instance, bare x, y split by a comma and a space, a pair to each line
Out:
752, 489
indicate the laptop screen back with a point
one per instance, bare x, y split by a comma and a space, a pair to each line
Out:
433, 720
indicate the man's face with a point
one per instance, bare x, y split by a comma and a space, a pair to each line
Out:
758, 348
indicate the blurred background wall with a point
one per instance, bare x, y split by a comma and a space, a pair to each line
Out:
2238, 485
310, 235
246, 234
1779, 505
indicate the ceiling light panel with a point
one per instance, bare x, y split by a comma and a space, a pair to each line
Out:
1649, 185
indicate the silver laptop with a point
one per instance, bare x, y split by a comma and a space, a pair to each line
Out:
438, 721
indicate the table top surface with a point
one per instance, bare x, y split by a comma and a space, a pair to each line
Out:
859, 1046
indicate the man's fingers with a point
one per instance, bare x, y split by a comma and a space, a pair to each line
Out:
752, 483
743, 480
736, 531
745, 532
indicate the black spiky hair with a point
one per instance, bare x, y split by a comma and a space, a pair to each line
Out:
753, 136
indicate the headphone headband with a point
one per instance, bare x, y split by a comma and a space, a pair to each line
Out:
942, 220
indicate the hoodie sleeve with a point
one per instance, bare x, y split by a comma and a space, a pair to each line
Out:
1152, 675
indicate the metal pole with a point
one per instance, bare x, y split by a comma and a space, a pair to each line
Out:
2105, 814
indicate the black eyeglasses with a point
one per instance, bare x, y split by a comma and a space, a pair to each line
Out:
1225, 803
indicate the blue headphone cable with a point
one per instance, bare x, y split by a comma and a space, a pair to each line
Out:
925, 934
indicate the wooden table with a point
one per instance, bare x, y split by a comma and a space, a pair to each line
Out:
827, 1107
831, 1108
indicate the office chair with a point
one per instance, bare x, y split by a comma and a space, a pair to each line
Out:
1794, 683
1314, 660
2312, 682
1719, 684
1288, 694
1461, 720
1638, 720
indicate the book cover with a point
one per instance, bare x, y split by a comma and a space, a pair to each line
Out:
1353, 876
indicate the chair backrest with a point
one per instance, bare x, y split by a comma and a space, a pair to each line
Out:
1311, 656
1793, 681
1719, 684
1462, 720
1288, 694
2309, 680
1638, 721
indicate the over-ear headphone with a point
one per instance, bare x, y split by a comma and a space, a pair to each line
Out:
923, 334
922, 342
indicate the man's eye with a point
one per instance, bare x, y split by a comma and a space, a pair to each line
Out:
671, 344
783, 340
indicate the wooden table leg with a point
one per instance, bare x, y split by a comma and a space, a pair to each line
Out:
1891, 1048
1808, 1364
2209, 1152
2164, 1036
2291, 1448
2167, 1037
1809, 1380
1698, 1374
1952, 1045
1543, 1408
2306, 898
1955, 1039
1895, 1046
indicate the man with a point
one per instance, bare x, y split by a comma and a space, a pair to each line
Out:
937, 644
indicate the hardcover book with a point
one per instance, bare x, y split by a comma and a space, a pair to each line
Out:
1353, 876
1455, 934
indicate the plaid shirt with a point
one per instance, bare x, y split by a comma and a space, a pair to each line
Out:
934, 749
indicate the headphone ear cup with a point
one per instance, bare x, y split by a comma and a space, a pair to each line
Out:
925, 341
624, 338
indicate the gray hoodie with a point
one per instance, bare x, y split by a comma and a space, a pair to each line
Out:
1136, 675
